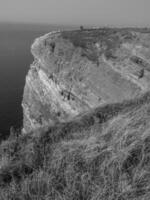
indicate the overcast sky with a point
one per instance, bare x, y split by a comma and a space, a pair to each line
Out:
76, 12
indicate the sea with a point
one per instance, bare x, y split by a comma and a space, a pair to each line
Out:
15, 60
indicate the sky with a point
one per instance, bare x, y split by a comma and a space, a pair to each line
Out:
77, 12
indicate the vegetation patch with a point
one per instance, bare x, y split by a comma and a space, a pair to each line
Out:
90, 157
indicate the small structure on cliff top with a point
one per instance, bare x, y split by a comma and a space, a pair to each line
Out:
81, 28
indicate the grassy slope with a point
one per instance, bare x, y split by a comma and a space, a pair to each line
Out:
104, 154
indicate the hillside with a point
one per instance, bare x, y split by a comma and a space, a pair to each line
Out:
103, 154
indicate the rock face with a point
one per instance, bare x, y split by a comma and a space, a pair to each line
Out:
74, 71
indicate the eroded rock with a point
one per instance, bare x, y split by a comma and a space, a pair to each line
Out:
74, 71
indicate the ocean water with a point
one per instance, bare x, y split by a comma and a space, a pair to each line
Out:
15, 59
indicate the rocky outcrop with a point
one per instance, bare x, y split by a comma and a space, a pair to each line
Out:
74, 71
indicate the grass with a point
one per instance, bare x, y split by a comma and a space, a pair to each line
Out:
109, 40
104, 154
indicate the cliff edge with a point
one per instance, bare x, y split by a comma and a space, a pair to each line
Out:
75, 71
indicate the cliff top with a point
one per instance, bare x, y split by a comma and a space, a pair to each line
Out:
103, 40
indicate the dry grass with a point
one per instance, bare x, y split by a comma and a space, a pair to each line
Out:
103, 155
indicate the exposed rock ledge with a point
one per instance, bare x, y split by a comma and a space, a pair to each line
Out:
75, 71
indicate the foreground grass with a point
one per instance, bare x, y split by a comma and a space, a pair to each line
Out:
102, 155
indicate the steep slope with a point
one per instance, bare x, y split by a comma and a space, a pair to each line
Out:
103, 154
75, 71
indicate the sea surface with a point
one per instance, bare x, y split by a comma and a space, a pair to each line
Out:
15, 60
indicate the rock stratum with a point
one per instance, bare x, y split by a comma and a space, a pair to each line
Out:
76, 71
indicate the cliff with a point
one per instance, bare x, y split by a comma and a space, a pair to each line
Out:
76, 71
88, 146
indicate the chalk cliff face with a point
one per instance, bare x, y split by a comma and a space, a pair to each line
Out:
74, 71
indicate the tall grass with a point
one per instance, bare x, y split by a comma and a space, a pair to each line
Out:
104, 154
